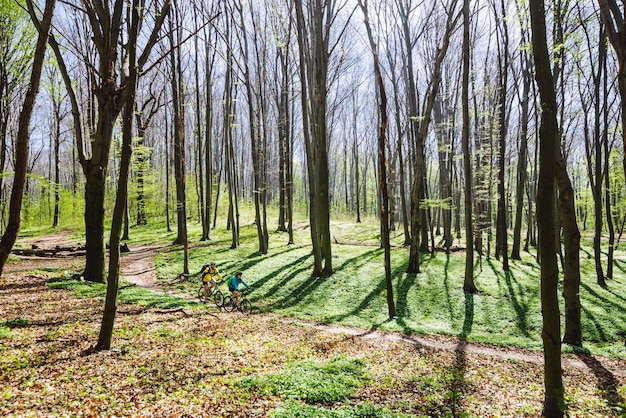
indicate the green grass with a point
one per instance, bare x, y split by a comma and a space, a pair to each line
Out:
313, 382
293, 409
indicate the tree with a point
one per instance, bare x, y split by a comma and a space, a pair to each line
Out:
420, 128
23, 133
105, 21
16, 46
468, 283
257, 114
548, 155
134, 19
179, 136
614, 21
522, 160
382, 161
314, 53
503, 71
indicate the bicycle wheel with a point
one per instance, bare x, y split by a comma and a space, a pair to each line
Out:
218, 298
245, 307
229, 304
201, 293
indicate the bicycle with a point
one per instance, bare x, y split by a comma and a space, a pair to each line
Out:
215, 295
245, 307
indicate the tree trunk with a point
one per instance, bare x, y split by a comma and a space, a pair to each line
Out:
314, 59
179, 144
522, 162
208, 132
418, 215
258, 138
57, 170
549, 143
204, 221
382, 163
121, 198
468, 283
23, 134
501, 228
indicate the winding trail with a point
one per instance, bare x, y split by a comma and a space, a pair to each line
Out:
139, 268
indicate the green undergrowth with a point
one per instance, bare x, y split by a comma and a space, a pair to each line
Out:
313, 382
293, 409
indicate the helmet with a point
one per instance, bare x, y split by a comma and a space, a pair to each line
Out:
212, 263
239, 273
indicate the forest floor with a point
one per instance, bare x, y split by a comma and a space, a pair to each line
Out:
201, 362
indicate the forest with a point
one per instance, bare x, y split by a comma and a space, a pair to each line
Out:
447, 168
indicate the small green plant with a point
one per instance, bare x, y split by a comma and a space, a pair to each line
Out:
5, 332
17, 322
292, 409
314, 382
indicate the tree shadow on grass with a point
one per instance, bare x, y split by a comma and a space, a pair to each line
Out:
455, 385
607, 382
601, 333
361, 306
609, 304
520, 306
308, 287
402, 303
404, 287
446, 285
620, 264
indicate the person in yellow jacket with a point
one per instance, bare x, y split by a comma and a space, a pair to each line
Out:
209, 272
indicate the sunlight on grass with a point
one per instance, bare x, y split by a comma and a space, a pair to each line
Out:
292, 409
506, 311
313, 382
128, 293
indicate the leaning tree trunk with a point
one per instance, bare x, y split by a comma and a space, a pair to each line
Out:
23, 134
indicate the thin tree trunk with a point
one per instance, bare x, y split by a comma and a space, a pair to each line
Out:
522, 162
23, 134
468, 283
501, 229
382, 163
179, 144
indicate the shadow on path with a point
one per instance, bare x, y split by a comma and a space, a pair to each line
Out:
607, 382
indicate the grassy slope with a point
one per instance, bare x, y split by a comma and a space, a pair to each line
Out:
506, 312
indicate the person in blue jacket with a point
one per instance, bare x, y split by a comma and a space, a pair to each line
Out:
233, 285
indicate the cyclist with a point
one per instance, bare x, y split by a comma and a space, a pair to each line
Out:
233, 286
209, 272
